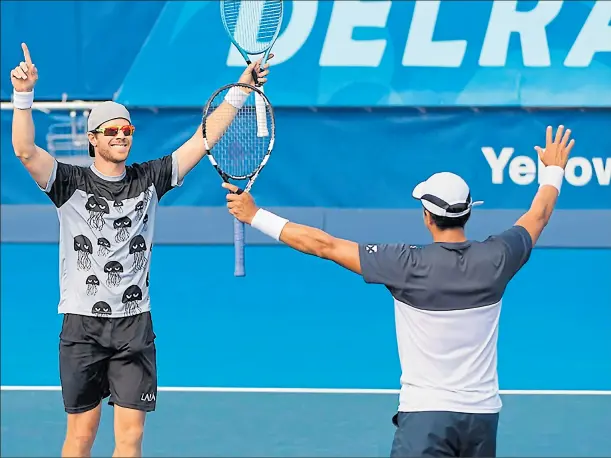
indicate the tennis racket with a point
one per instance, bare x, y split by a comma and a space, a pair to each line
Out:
235, 149
253, 27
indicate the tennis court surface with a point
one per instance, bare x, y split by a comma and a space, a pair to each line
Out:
277, 423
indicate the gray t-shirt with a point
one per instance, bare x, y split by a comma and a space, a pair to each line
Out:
106, 234
447, 305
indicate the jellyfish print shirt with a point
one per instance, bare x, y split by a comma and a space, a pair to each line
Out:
106, 234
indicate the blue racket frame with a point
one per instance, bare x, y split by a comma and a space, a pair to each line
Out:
245, 54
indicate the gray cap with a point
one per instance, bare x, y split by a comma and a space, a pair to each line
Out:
105, 111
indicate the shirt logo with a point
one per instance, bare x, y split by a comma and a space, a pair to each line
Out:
371, 248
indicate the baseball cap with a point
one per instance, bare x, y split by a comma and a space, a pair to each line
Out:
105, 111
445, 194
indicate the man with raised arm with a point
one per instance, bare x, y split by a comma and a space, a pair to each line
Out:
106, 213
447, 297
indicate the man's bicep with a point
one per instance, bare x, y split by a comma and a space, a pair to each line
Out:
40, 165
386, 264
346, 254
532, 224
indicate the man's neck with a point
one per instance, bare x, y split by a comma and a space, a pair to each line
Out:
110, 169
449, 236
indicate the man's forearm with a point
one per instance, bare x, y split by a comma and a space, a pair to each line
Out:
543, 203
309, 240
218, 122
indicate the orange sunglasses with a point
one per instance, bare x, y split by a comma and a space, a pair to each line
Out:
111, 131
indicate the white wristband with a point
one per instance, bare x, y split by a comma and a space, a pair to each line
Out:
268, 223
23, 100
552, 175
236, 97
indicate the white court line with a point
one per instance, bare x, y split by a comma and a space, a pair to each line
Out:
205, 389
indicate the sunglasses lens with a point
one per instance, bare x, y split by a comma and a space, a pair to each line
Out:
111, 131
127, 130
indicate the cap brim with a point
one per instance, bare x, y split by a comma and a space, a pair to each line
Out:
418, 191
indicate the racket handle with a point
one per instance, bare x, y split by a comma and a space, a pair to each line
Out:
261, 110
238, 243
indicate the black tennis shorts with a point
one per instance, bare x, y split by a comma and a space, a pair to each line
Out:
101, 357
438, 433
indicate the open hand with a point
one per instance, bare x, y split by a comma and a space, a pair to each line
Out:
262, 72
556, 151
25, 75
242, 206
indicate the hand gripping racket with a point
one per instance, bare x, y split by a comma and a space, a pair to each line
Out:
235, 149
253, 27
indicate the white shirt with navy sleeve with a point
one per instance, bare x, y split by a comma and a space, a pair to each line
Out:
447, 300
106, 234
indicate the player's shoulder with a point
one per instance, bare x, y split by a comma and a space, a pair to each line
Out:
514, 234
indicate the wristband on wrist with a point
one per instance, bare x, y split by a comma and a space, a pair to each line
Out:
552, 175
23, 100
268, 223
236, 97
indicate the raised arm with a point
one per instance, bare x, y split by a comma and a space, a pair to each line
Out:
35, 159
555, 157
194, 149
309, 240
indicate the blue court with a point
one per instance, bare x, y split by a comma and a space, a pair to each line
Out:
304, 425
338, 334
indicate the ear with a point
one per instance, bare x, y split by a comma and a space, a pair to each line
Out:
91, 138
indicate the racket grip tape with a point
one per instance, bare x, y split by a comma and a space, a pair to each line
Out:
238, 243
261, 110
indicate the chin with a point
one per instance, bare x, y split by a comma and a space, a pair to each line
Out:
117, 156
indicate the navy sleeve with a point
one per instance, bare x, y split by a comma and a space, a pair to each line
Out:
62, 183
517, 246
386, 264
163, 173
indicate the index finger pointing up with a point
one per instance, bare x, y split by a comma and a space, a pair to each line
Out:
26, 54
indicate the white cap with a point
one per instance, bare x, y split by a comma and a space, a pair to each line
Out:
445, 194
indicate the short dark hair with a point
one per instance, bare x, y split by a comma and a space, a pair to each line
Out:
444, 223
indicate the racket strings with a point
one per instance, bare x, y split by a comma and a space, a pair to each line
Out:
240, 151
253, 24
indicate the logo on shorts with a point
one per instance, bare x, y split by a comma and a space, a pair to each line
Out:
371, 248
147, 397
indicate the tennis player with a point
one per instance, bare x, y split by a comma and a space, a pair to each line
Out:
447, 298
107, 213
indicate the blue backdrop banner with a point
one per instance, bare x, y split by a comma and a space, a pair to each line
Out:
343, 158
343, 53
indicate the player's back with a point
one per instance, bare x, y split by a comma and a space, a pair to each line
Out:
447, 305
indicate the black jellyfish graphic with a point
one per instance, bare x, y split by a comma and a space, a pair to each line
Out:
139, 210
101, 308
118, 205
92, 283
97, 208
122, 226
131, 297
114, 269
148, 193
137, 247
103, 246
145, 222
83, 248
